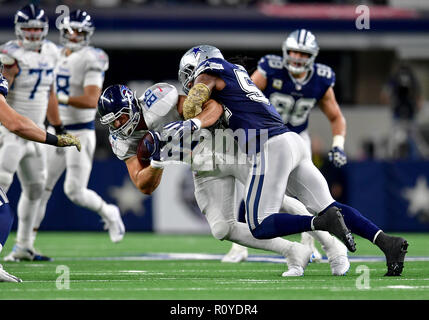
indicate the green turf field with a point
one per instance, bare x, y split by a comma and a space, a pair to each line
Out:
134, 269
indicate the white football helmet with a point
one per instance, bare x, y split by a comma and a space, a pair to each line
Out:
191, 59
303, 41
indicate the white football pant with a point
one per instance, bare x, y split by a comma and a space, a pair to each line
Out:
78, 166
284, 165
28, 159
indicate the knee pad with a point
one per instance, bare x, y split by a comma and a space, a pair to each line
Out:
32, 191
73, 192
220, 230
6, 179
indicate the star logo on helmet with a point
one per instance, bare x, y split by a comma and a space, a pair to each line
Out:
196, 50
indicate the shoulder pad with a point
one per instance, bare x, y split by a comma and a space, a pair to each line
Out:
96, 59
270, 64
160, 98
51, 48
10, 49
325, 73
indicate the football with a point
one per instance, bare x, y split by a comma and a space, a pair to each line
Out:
142, 152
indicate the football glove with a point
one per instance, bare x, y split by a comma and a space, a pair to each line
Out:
337, 156
4, 86
155, 147
177, 129
68, 140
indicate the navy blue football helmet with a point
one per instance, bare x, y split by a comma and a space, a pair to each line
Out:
31, 17
76, 30
114, 102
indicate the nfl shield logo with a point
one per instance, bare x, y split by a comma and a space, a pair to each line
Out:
277, 84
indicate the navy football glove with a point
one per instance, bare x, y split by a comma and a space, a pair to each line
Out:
177, 129
4, 86
155, 147
337, 156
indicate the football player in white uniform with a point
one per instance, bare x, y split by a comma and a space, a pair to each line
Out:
29, 68
79, 78
27, 129
130, 118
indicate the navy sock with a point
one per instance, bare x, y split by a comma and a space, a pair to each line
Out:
6, 220
242, 212
282, 224
356, 222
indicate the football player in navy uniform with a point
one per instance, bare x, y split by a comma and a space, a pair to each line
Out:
280, 162
26, 129
294, 84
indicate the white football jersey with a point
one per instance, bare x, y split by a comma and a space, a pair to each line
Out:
159, 107
29, 93
74, 72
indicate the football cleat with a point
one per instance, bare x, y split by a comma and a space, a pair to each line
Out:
395, 256
19, 253
308, 240
236, 254
113, 223
332, 221
340, 265
7, 277
297, 259
337, 257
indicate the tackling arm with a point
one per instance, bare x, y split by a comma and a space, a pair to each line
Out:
211, 112
200, 94
146, 179
18, 124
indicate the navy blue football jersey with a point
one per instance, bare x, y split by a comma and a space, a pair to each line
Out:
246, 107
294, 100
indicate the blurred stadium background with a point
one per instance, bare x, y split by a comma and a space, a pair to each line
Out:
386, 177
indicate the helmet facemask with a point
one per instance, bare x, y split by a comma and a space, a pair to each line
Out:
298, 65
128, 128
75, 35
302, 41
31, 39
185, 76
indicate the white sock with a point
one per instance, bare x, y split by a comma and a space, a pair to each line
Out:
26, 209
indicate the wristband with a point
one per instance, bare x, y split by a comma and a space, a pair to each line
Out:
156, 164
63, 98
51, 139
59, 129
338, 141
197, 122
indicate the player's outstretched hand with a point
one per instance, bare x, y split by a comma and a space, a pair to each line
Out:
337, 156
68, 140
177, 129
